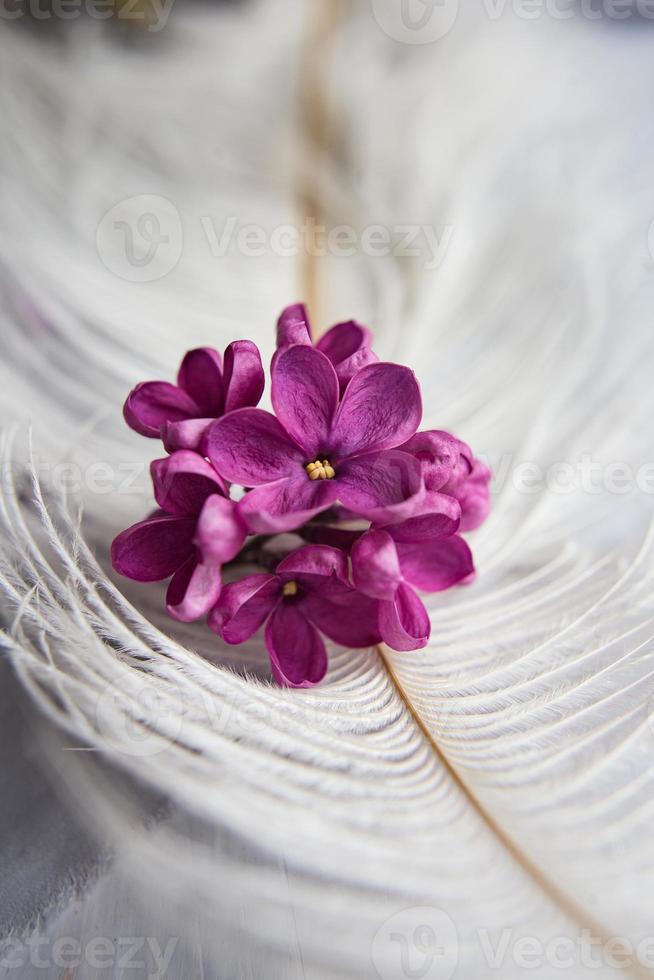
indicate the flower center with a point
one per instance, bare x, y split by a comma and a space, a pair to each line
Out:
290, 589
320, 470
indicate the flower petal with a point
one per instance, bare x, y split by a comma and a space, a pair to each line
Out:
244, 606
201, 376
433, 566
250, 447
381, 409
243, 375
193, 590
183, 482
286, 504
376, 566
187, 434
439, 453
439, 517
153, 549
474, 497
383, 487
297, 651
312, 565
343, 340
404, 623
305, 397
220, 532
153, 403
347, 618
293, 326
346, 369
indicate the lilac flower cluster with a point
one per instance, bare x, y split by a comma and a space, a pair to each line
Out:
347, 511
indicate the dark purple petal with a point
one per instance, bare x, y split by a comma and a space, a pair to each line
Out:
220, 532
381, 409
201, 376
243, 375
440, 455
404, 623
244, 606
305, 397
343, 340
188, 434
312, 566
330, 534
382, 487
439, 517
154, 549
346, 370
153, 403
250, 447
376, 566
183, 482
293, 326
297, 651
286, 504
474, 497
433, 566
193, 590
348, 618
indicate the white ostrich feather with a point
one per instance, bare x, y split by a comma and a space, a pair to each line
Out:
500, 778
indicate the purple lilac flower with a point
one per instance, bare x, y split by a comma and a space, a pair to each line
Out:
448, 465
206, 389
308, 594
423, 552
347, 345
196, 531
322, 447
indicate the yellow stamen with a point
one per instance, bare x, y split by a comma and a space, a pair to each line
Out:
320, 470
290, 589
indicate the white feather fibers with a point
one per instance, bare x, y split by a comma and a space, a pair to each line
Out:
516, 794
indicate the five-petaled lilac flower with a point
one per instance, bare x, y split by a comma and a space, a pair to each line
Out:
322, 448
308, 594
424, 553
347, 345
196, 531
206, 389
448, 465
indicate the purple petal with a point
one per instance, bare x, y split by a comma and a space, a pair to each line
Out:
440, 456
153, 403
474, 497
250, 447
293, 326
346, 370
305, 397
243, 375
433, 566
244, 606
330, 534
286, 504
376, 566
312, 565
440, 517
296, 649
220, 532
404, 623
381, 409
193, 591
183, 482
188, 434
343, 340
348, 618
154, 549
382, 487
201, 376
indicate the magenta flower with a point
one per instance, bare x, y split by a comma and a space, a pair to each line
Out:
449, 466
320, 447
347, 345
308, 594
424, 552
206, 389
196, 531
